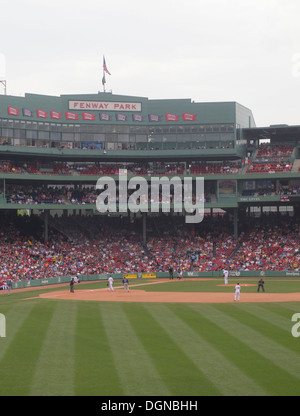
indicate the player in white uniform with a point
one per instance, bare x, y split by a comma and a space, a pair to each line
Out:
237, 292
225, 274
110, 284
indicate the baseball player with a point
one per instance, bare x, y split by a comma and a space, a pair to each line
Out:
225, 274
180, 274
261, 285
9, 285
125, 282
110, 284
237, 292
72, 282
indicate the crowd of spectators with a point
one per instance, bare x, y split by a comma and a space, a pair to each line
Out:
270, 167
269, 245
29, 194
44, 194
85, 245
267, 152
264, 162
216, 168
271, 159
145, 169
287, 190
8, 166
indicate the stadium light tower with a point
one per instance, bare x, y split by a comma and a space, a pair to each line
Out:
3, 82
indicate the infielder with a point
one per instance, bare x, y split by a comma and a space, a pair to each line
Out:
225, 274
180, 274
125, 282
110, 284
237, 292
9, 285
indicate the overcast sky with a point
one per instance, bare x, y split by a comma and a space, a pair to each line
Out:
205, 50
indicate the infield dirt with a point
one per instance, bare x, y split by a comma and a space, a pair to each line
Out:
118, 295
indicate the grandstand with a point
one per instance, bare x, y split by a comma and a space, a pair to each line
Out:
54, 149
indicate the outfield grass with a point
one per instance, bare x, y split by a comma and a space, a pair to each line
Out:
68, 348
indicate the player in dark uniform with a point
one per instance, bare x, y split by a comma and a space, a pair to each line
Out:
125, 282
261, 285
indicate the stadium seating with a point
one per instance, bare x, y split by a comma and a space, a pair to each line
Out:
83, 245
206, 168
271, 159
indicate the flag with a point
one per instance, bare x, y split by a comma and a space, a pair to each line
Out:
12, 111
26, 112
71, 116
172, 117
104, 117
121, 117
55, 114
189, 117
103, 79
154, 117
41, 113
105, 67
137, 117
88, 116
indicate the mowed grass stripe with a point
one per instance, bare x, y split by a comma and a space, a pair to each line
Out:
15, 316
95, 370
135, 368
176, 369
286, 308
54, 375
279, 344
185, 328
18, 364
270, 365
279, 326
265, 313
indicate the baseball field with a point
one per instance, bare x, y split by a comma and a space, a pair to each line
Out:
163, 338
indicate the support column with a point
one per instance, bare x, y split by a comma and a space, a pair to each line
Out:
144, 227
46, 220
236, 224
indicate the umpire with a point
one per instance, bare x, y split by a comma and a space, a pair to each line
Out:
261, 285
72, 282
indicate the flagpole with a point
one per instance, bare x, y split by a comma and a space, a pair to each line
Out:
103, 79
3, 82
104, 70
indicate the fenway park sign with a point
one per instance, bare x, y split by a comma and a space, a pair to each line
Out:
104, 105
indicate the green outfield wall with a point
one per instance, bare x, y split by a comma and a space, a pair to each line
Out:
100, 277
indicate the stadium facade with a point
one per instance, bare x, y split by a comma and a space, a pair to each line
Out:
70, 140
